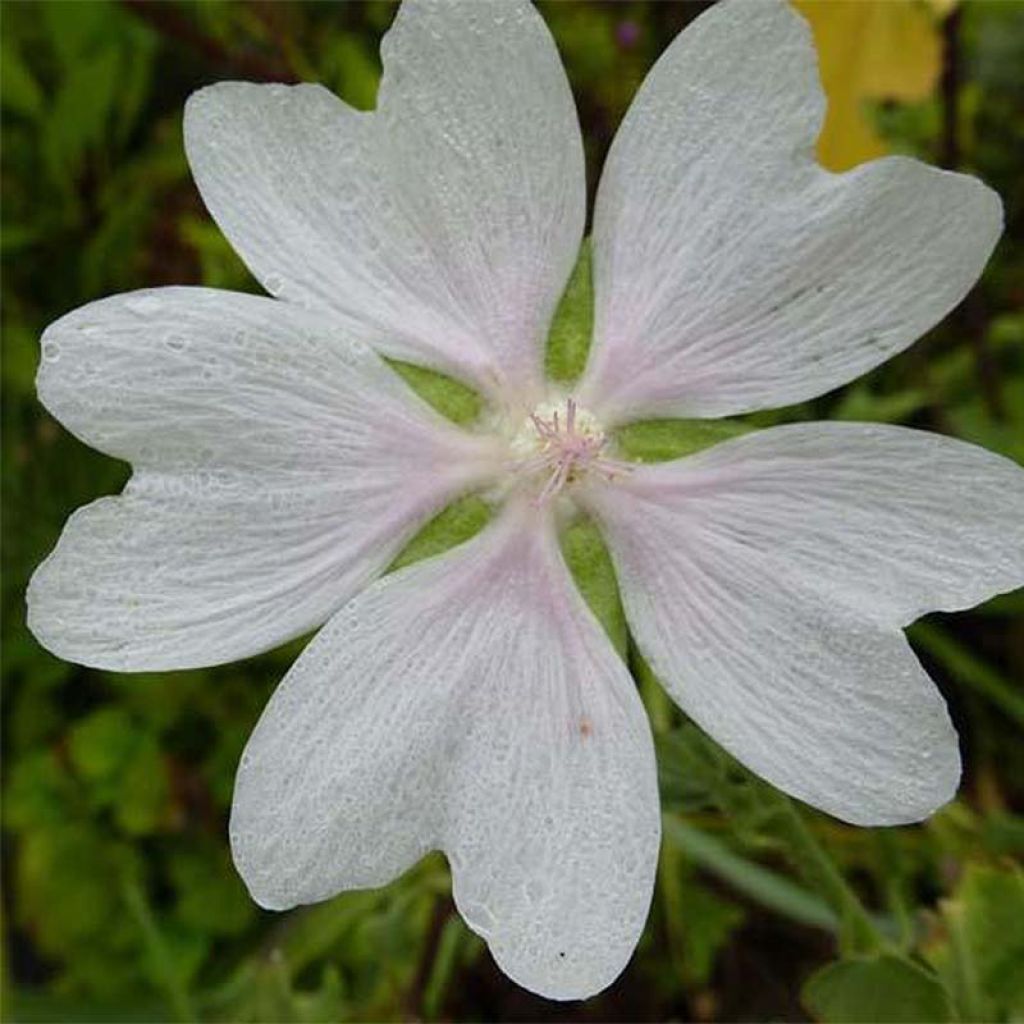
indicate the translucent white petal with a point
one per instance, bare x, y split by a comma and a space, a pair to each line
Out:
731, 271
470, 703
279, 466
449, 218
766, 580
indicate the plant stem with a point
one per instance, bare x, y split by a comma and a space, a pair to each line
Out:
139, 908
893, 872
415, 997
776, 892
857, 932
970, 316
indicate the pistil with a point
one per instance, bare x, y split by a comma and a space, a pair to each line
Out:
566, 447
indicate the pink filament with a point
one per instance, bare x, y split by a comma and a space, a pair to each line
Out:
567, 452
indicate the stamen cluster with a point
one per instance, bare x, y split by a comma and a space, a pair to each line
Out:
566, 447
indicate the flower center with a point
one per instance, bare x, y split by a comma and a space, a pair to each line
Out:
559, 442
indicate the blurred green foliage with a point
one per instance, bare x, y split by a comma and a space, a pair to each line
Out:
120, 900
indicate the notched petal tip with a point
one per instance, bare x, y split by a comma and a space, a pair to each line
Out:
46, 613
556, 978
211, 109
851, 531
566, 961
198, 390
372, 752
377, 216
692, 297
965, 195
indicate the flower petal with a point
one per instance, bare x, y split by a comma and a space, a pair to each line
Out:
279, 466
733, 273
449, 218
766, 580
470, 703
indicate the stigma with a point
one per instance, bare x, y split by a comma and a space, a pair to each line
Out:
559, 444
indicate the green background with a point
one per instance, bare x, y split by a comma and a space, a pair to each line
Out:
119, 898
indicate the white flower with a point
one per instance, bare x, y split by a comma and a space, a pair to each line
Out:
472, 702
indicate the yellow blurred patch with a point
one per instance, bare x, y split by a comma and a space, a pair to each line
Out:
871, 50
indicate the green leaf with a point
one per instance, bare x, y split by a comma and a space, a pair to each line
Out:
760, 884
695, 773
135, 80
101, 744
972, 420
591, 566
451, 398
708, 925
28, 1005
457, 523
870, 990
143, 789
65, 884
80, 111
17, 237
983, 948
1003, 604
456, 946
219, 264
573, 322
324, 1003
697, 922
19, 91
75, 29
664, 439
350, 70
119, 234
995, 916
860, 403
695, 770
169, 963
39, 792
123, 767
211, 897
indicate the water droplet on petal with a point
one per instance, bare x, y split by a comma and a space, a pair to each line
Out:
51, 351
